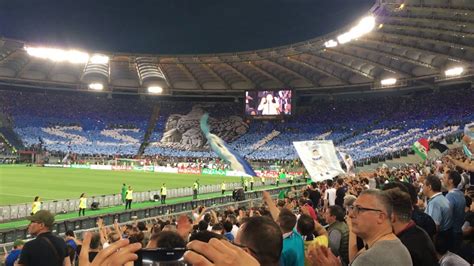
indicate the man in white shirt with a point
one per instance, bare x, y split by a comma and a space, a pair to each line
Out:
330, 194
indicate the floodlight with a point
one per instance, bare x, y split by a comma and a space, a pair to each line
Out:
365, 26
388, 82
155, 89
455, 71
99, 59
96, 86
330, 43
58, 55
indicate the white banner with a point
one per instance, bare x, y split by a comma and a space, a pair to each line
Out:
319, 158
165, 169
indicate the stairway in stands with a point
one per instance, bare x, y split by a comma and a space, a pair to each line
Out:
151, 126
11, 138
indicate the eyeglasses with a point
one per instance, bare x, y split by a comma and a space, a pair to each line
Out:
357, 209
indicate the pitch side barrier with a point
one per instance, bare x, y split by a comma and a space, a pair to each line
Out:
7, 237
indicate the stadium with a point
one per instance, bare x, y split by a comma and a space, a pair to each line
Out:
386, 99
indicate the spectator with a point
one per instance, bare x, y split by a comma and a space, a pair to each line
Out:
415, 239
438, 208
15, 253
313, 233
293, 245
330, 194
447, 258
457, 203
46, 249
262, 238
340, 192
371, 220
228, 231
338, 232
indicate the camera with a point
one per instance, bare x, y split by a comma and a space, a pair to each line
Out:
161, 257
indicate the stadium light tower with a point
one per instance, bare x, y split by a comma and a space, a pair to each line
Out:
96, 86
364, 26
151, 75
96, 72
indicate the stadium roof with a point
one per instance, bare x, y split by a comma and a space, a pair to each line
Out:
413, 43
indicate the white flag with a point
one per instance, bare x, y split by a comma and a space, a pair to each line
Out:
319, 158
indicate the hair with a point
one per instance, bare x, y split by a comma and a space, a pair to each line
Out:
381, 197
434, 182
205, 236
305, 194
338, 212
396, 184
314, 185
169, 240
329, 182
207, 217
141, 226
305, 226
217, 227
95, 241
36, 198
113, 237
455, 176
231, 218
468, 201
70, 233
349, 200
264, 237
82, 195
401, 204
287, 220
227, 226
340, 181
412, 191
202, 226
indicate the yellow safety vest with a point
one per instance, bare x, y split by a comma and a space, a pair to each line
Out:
246, 183
262, 179
129, 194
82, 203
251, 179
195, 186
163, 191
223, 186
36, 207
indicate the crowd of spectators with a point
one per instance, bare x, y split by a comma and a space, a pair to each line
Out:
93, 124
420, 214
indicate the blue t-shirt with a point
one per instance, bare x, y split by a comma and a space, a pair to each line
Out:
457, 202
438, 208
72, 244
229, 236
12, 257
293, 250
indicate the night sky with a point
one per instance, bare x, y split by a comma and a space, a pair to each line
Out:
174, 26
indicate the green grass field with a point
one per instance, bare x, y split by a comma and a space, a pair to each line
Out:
20, 184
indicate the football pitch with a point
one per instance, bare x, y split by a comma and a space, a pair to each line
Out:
20, 184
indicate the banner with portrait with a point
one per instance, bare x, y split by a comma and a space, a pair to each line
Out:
319, 158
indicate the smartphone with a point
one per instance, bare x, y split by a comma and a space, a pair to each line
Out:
161, 257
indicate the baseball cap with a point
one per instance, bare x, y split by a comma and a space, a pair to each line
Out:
43, 216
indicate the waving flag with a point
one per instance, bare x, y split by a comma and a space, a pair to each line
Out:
237, 163
421, 147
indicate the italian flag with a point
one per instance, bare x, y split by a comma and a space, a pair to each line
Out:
421, 147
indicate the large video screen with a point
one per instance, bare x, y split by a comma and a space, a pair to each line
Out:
268, 102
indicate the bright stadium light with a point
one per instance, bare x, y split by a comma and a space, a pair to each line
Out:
58, 55
99, 59
155, 89
388, 82
330, 43
96, 86
365, 26
453, 72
